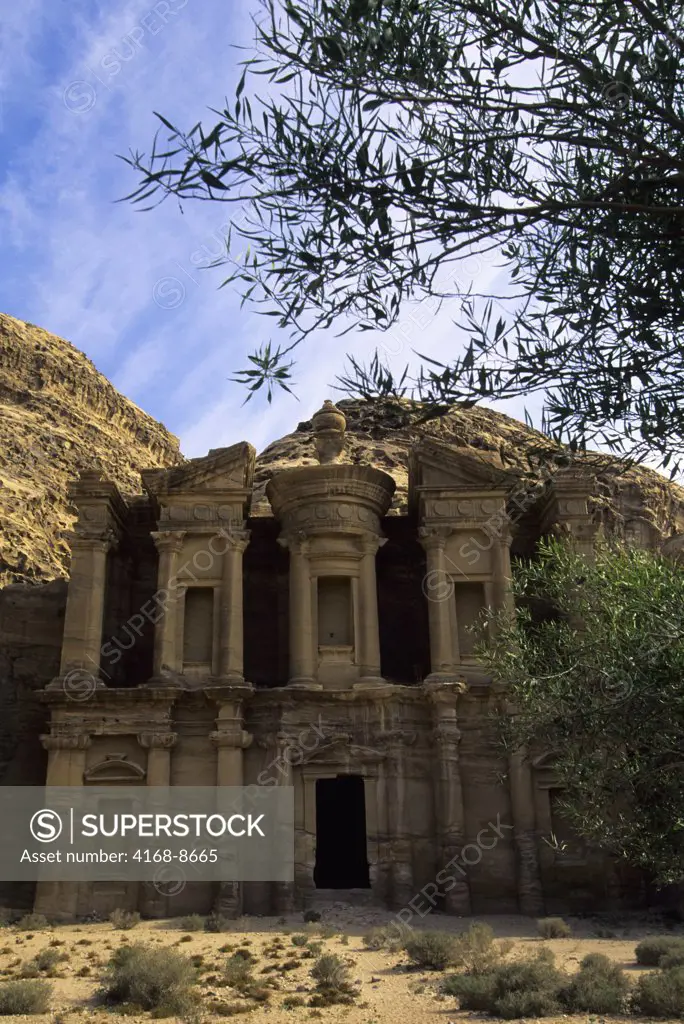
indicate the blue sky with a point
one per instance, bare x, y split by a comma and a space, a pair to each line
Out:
79, 82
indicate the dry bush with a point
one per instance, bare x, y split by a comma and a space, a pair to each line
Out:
661, 994
222, 1009
124, 920
299, 940
32, 923
191, 923
311, 916
237, 972
432, 951
152, 979
651, 952
553, 928
476, 951
331, 974
291, 1002
18, 997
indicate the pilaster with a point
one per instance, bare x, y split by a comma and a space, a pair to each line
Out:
231, 642
439, 590
302, 669
154, 903
449, 811
166, 656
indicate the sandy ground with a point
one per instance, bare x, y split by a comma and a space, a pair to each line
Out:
389, 993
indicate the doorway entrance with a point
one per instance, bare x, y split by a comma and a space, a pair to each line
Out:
341, 852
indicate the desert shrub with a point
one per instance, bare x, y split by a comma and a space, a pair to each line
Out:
650, 952
124, 920
57, 942
217, 923
476, 951
331, 975
24, 997
299, 940
238, 971
326, 931
315, 948
661, 994
290, 1002
222, 1009
375, 938
44, 961
431, 950
153, 979
83, 972
672, 960
32, 923
311, 916
522, 988
191, 923
599, 987
553, 928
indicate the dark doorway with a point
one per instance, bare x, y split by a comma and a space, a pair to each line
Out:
341, 855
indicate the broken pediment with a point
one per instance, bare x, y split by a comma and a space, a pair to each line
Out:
439, 468
222, 470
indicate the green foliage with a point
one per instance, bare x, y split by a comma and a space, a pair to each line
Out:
396, 141
661, 994
151, 979
431, 950
238, 971
599, 987
652, 952
578, 692
553, 928
523, 988
18, 997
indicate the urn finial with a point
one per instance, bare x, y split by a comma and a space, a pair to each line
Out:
329, 425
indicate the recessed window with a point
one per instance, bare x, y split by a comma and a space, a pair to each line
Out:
198, 629
334, 611
470, 601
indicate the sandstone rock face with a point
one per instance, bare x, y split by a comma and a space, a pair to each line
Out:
59, 416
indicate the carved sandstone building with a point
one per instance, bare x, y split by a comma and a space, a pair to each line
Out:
322, 643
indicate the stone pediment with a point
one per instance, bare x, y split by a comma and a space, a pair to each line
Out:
437, 464
339, 750
222, 470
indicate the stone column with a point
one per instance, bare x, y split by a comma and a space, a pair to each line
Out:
530, 890
153, 902
501, 573
169, 543
230, 739
284, 892
400, 846
231, 609
302, 670
449, 812
439, 590
369, 641
85, 604
66, 765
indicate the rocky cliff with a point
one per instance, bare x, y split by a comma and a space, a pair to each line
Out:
58, 416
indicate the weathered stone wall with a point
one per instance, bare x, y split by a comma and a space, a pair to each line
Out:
31, 623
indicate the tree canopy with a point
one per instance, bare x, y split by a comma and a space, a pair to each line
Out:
394, 139
593, 663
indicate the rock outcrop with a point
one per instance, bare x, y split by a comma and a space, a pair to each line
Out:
59, 416
380, 433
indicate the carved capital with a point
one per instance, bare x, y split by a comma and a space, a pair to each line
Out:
75, 741
157, 740
297, 542
236, 540
168, 540
234, 738
434, 537
89, 539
